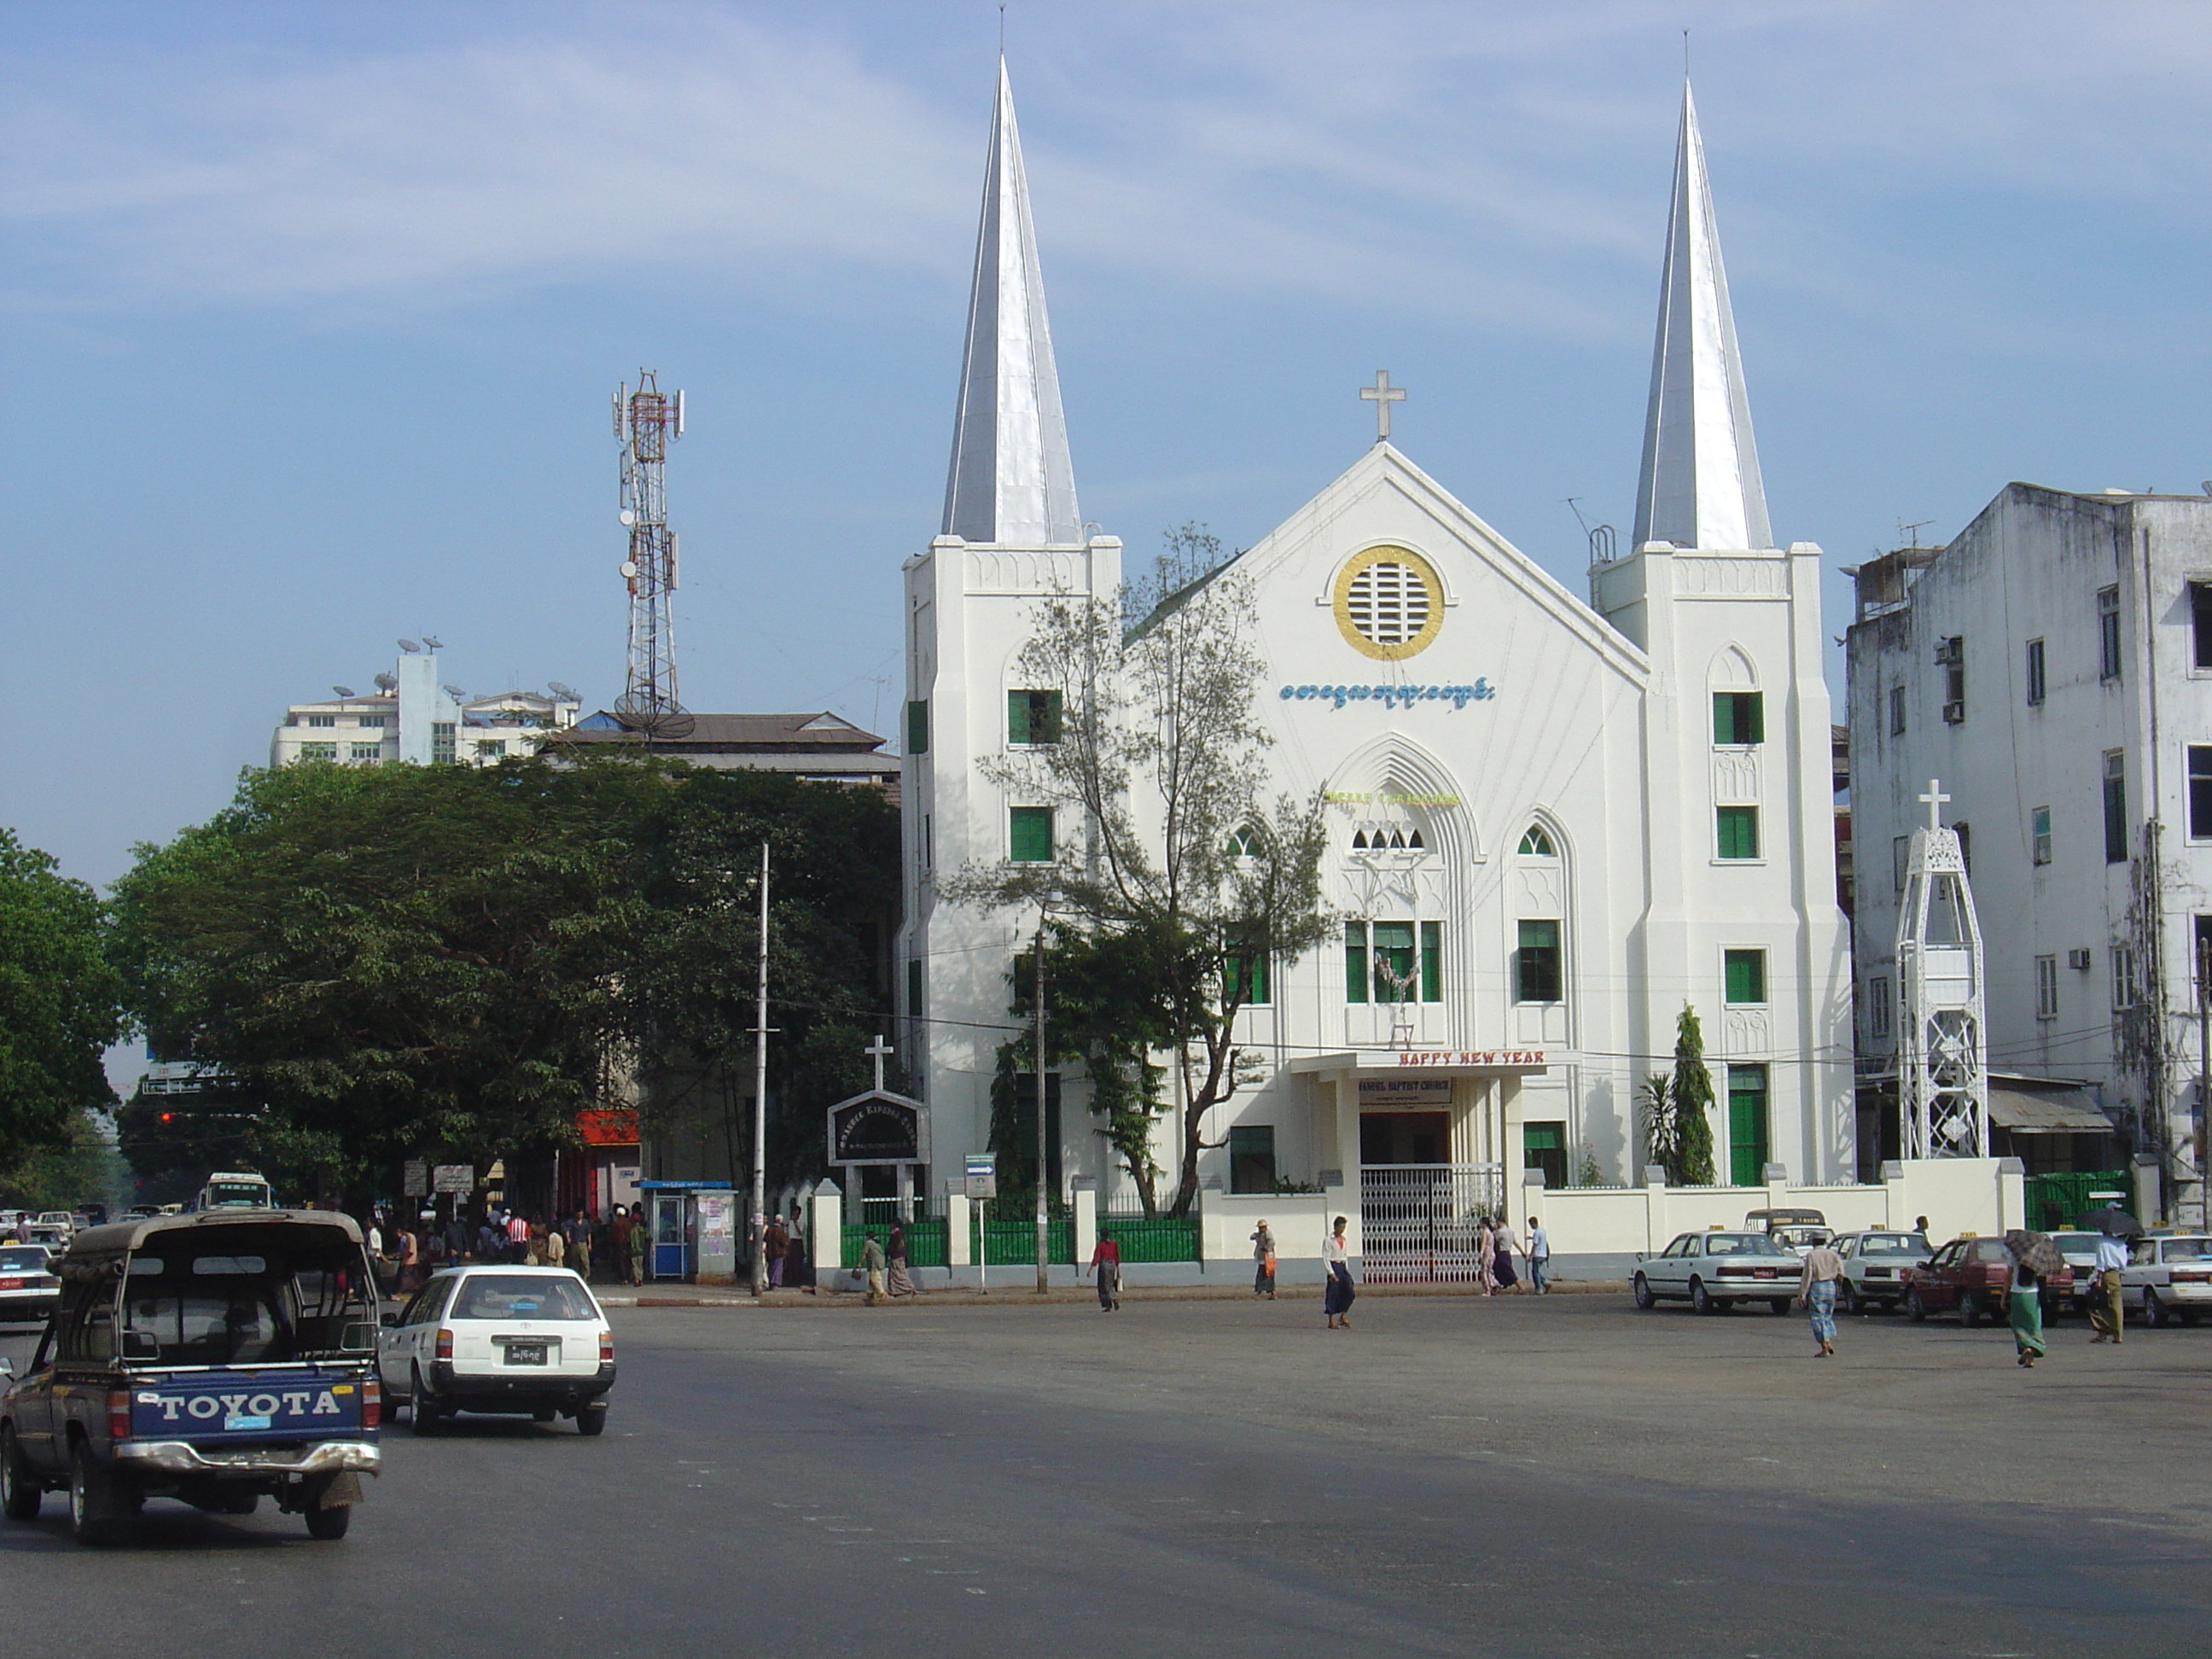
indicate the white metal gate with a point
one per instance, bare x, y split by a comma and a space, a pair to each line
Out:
1418, 1222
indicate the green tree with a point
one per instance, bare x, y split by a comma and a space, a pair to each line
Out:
60, 1002
1170, 853
1691, 1098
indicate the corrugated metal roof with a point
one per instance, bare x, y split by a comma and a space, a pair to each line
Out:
2026, 1107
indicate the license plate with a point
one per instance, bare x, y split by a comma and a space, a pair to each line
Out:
525, 1353
1762, 1273
236, 1422
1880, 1272
11, 1284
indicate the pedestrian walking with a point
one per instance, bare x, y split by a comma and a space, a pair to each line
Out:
776, 1239
640, 1241
1263, 1253
580, 1246
410, 1263
798, 1270
871, 1263
900, 1282
2033, 1256
2105, 1300
1503, 1242
1337, 1294
1486, 1246
518, 1237
1816, 1294
554, 1251
1539, 1253
1106, 1263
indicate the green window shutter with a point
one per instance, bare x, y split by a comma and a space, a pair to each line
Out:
1245, 978
1738, 717
1395, 980
1738, 828
917, 727
1018, 717
1047, 728
1537, 975
1028, 839
1032, 717
1746, 972
1355, 962
1432, 962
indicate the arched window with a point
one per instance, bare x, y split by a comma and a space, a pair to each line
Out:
1537, 844
1413, 840
1360, 838
1243, 842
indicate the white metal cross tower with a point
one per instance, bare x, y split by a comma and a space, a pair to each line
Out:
1942, 1050
646, 421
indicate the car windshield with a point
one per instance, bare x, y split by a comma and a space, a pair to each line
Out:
31, 1259
237, 1324
2073, 1244
1742, 1244
2187, 1249
524, 1296
1893, 1244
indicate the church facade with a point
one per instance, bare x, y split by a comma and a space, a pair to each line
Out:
1555, 819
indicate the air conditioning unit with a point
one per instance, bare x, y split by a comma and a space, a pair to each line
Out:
2078, 959
1950, 650
1954, 713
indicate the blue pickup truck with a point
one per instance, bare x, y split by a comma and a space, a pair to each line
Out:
218, 1357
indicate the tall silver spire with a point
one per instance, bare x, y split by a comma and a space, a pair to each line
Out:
1011, 480
1700, 485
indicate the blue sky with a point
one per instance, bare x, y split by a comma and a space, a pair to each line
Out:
312, 313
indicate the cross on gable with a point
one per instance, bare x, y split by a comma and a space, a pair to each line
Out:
1934, 800
1383, 394
882, 1051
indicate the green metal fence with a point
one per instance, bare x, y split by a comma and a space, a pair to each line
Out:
1013, 1244
1157, 1238
927, 1241
2054, 1202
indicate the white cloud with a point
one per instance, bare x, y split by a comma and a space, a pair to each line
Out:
1503, 160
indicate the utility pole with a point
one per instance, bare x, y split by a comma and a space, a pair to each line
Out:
2203, 1053
1043, 1217
760, 1095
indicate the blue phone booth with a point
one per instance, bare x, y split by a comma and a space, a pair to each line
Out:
672, 1209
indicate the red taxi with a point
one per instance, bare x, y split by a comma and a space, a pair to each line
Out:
1974, 1276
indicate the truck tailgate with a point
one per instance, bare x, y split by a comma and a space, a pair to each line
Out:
273, 1403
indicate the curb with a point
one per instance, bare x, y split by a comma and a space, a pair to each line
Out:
1061, 1296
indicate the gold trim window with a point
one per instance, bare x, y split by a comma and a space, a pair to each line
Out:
1389, 602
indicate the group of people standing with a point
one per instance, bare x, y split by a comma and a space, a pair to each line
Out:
407, 1255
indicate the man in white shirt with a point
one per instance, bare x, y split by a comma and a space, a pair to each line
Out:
2104, 1311
1539, 1253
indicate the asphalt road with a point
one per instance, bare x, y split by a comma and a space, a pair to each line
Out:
1563, 1477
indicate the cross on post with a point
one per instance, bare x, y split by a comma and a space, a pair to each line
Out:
1383, 394
882, 1051
1935, 799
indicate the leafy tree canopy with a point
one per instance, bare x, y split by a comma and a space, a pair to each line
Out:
60, 1003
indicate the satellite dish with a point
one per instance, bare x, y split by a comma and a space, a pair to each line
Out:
626, 516
387, 681
566, 693
455, 693
408, 644
628, 571
344, 690
429, 644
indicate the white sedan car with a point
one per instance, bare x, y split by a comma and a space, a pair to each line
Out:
1714, 1271
500, 1338
1874, 1268
2168, 1279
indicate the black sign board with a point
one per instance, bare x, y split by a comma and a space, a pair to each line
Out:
878, 1128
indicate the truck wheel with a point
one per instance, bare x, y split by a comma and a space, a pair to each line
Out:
330, 1525
92, 1500
592, 1419
19, 1493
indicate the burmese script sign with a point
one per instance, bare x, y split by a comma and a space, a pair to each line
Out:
878, 1128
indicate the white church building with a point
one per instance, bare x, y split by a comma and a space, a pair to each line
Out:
1565, 817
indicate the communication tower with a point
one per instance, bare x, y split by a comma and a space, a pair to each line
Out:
648, 421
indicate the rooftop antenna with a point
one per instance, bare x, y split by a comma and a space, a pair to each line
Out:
430, 644
566, 693
408, 646
1913, 530
344, 690
387, 681
645, 420
1599, 536
455, 693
